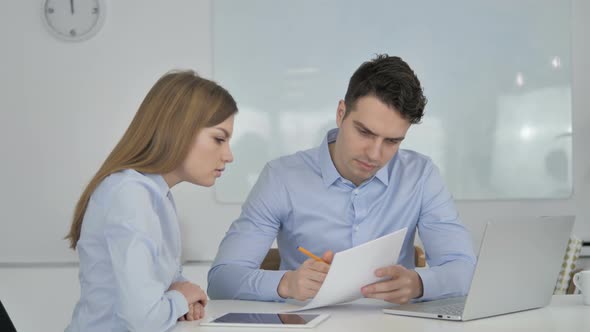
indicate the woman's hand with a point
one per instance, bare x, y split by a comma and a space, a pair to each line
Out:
192, 293
196, 311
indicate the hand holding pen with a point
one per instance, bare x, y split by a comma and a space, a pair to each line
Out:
305, 282
314, 257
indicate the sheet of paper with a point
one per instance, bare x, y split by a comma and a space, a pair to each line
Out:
354, 268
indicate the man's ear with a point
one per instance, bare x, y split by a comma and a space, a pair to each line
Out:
340, 111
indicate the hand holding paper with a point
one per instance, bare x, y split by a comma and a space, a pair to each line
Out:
354, 268
402, 285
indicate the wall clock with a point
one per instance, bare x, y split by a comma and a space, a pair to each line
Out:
74, 20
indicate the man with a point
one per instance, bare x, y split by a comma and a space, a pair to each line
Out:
355, 187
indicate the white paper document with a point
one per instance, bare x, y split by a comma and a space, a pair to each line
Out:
354, 268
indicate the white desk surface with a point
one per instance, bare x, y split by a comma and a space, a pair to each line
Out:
565, 313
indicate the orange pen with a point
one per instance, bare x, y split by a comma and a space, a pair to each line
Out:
309, 254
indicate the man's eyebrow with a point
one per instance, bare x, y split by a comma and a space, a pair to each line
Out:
362, 126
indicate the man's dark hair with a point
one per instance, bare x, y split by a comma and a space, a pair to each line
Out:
393, 82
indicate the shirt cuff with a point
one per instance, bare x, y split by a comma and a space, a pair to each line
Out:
180, 278
178, 300
428, 281
271, 280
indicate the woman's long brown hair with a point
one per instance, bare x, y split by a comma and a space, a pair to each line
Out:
158, 139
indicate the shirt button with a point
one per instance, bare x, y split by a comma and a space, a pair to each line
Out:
356, 191
356, 228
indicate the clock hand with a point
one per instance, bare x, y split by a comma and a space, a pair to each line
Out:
72, 6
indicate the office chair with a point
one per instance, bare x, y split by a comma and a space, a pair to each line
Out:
272, 261
5, 322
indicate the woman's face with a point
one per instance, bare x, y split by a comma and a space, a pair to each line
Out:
208, 155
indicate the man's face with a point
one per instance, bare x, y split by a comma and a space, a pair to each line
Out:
368, 138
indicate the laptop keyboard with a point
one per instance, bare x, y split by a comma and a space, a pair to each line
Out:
455, 309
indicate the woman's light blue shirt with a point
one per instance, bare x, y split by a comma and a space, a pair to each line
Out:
129, 252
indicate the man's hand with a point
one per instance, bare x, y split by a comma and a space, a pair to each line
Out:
403, 286
305, 282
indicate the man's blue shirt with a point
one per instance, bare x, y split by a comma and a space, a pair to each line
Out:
301, 200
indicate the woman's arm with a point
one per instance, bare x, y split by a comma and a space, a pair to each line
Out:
146, 304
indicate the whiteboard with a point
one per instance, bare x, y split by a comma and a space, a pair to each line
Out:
497, 75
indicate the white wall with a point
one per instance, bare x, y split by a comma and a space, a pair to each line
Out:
64, 106
71, 103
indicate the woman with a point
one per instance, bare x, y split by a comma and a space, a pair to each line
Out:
125, 227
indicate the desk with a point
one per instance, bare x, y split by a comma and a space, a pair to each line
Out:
565, 313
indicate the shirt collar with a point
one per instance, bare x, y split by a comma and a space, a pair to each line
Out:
330, 173
383, 174
160, 182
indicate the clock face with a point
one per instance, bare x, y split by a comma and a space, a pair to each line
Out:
73, 20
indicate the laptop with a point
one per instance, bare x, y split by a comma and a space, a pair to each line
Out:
517, 268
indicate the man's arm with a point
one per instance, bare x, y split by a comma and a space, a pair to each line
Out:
235, 273
448, 245
448, 250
